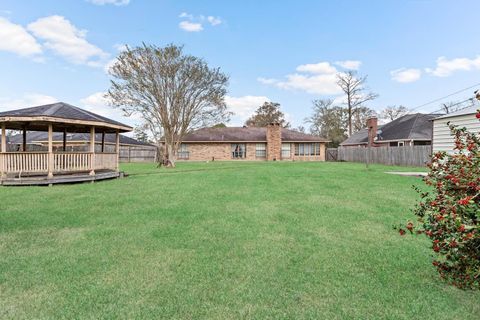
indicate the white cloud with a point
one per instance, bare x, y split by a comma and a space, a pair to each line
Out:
109, 65
192, 23
114, 2
267, 80
98, 103
321, 67
63, 38
349, 64
190, 26
25, 101
186, 15
314, 78
214, 21
446, 67
404, 75
243, 107
324, 84
14, 38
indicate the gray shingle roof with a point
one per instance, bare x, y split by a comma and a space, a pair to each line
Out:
60, 110
244, 134
359, 137
417, 126
38, 136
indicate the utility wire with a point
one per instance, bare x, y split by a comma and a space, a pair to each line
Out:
449, 95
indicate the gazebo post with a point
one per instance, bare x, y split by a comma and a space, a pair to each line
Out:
92, 150
4, 150
24, 140
103, 141
117, 149
4, 138
50, 151
65, 140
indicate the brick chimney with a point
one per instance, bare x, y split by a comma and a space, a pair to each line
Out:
274, 141
372, 125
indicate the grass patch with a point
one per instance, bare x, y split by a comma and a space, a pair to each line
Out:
221, 241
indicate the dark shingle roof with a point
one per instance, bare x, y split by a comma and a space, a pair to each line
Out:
60, 110
359, 137
38, 136
246, 134
417, 126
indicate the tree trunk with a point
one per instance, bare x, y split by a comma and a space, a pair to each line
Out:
170, 156
350, 112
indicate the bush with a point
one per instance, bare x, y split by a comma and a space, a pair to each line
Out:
449, 214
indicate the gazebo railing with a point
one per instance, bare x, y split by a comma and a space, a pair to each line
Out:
71, 161
38, 162
24, 162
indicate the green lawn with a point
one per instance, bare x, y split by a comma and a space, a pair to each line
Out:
222, 241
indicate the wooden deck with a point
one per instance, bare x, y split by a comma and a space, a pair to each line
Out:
36, 180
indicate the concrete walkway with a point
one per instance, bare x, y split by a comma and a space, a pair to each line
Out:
408, 174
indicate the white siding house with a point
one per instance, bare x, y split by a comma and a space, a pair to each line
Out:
442, 137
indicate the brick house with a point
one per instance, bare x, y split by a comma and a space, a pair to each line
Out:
251, 143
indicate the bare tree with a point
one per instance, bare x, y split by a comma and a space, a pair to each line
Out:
354, 87
360, 117
173, 92
301, 129
452, 106
393, 112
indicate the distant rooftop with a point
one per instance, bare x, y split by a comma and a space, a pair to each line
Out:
42, 137
247, 134
416, 126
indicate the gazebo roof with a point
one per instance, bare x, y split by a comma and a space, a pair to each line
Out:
62, 115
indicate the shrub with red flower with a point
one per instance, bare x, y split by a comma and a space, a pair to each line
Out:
449, 215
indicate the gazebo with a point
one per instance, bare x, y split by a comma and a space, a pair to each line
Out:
48, 167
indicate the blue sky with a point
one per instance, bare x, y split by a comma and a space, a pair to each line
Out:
283, 51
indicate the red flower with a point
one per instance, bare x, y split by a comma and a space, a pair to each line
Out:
410, 226
436, 248
401, 231
464, 201
461, 228
478, 115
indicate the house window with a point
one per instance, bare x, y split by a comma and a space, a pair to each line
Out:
261, 150
307, 149
401, 143
183, 152
286, 150
239, 150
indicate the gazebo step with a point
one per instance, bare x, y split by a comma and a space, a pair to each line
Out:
68, 178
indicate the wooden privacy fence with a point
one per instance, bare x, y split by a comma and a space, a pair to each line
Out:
138, 154
415, 156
